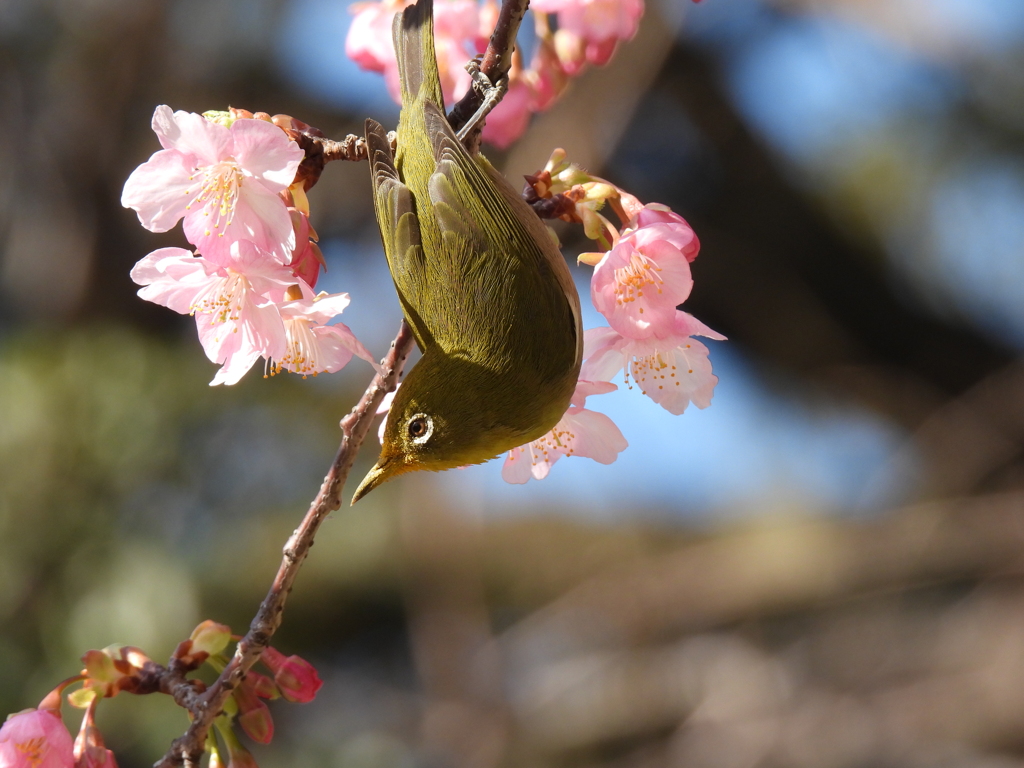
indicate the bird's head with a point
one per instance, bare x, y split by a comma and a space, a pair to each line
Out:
438, 421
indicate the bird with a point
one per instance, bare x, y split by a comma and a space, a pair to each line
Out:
481, 281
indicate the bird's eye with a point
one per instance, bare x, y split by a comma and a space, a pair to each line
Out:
420, 428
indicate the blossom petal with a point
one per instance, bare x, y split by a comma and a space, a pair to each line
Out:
688, 325
585, 389
192, 134
595, 436
674, 378
516, 469
173, 277
265, 152
603, 351
337, 346
160, 189
236, 365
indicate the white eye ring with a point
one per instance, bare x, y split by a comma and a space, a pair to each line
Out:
420, 428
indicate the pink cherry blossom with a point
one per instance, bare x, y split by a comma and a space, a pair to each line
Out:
369, 43
673, 370
655, 222
35, 739
225, 182
639, 283
457, 38
236, 316
508, 121
313, 347
595, 26
580, 432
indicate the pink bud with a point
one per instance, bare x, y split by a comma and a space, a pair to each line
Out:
571, 51
90, 751
262, 685
258, 724
35, 738
295, 676
253, 714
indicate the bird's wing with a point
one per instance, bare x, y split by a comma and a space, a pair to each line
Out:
399, 229
488, 246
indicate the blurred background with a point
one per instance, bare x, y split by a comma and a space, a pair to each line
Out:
822, 569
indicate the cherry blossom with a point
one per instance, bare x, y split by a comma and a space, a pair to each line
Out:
580, 432
36, 738
312, 347
639, 283
369, 43
590, 29
673, 370
237, 319
457, 38
225, 183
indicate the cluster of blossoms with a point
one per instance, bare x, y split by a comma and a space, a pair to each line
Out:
232, 177
637, 285
37, 738
569, 35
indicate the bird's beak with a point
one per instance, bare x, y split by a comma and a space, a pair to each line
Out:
385, 468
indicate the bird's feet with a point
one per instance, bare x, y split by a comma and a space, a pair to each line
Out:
491, 93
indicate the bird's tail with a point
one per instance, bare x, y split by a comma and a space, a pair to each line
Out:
413, 32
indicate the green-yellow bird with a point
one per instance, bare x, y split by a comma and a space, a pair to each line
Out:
484, 287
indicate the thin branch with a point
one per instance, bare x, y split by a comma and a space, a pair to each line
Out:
496, 63
188, 749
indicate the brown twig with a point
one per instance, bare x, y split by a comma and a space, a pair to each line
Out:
188, 749
496, 63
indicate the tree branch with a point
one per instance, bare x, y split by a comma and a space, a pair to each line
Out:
496, 63
188, 749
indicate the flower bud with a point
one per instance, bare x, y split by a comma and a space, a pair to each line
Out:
89, 750
571, 51
210, 637
295, 676
253, 715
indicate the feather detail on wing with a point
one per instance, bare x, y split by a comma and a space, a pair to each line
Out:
399, 228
